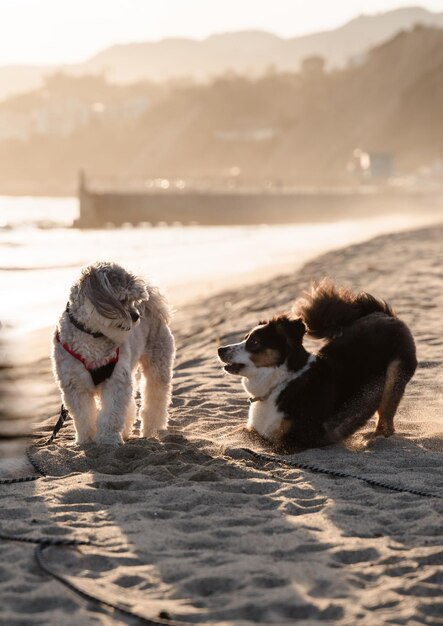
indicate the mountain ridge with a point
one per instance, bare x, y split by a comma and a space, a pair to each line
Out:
250, 52
286, 129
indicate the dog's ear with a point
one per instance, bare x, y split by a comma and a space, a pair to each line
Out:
292, 331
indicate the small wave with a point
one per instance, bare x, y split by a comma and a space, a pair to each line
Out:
13, 268
37, 225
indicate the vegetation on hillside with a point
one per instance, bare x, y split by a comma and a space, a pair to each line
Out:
298, 128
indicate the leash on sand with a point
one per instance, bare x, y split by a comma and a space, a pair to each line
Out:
259, 456
163, 619
42, 543
63, 416
272, 458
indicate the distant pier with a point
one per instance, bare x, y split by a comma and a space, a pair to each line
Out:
240, 207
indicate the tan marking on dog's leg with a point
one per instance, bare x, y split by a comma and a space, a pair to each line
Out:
279, 437
392, 394
283, 429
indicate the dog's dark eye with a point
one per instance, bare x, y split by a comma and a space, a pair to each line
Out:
253, 343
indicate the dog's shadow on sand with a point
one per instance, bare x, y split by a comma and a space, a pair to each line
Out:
200, 529
193, 525
187, 526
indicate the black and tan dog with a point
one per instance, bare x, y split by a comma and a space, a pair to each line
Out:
301, 400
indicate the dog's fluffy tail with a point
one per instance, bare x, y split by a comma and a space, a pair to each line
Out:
327, 309
157, 305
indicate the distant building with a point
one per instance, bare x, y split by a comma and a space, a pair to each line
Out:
313, 67
124, 111
246, 134
381, 164
66, 104
14, 125
60, 118
371, 165
357, 60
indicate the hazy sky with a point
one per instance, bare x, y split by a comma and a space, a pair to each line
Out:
57, 31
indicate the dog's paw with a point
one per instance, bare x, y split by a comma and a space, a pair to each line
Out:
84, 440
127, 432
383, 430
109, 439
153, 425
150, 432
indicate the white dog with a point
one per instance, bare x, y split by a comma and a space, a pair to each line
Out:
113, 323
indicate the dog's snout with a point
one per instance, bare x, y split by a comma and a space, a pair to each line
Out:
135, 316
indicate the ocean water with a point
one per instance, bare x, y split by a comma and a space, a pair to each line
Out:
40, 255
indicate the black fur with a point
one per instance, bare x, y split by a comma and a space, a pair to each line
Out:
285, 336
100, 374
366, 363
328, 309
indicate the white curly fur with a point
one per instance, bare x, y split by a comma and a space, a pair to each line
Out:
107, 299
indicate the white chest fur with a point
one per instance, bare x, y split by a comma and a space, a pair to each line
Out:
264, 417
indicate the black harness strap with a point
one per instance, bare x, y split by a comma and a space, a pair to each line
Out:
100, 374
81, 326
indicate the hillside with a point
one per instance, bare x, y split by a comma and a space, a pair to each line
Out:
247, 53
390, 103
251, 53
287, 128
16, 79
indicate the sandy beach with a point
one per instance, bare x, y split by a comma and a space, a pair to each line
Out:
195, 526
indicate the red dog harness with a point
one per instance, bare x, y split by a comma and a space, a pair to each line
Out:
98, 374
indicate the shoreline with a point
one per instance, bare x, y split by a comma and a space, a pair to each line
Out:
257, 260
192, 524
72, 190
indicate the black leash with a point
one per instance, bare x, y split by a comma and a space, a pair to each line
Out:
26, 479
162, 620
63, 416
23, 479
270, 458
42, 543
46, 541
